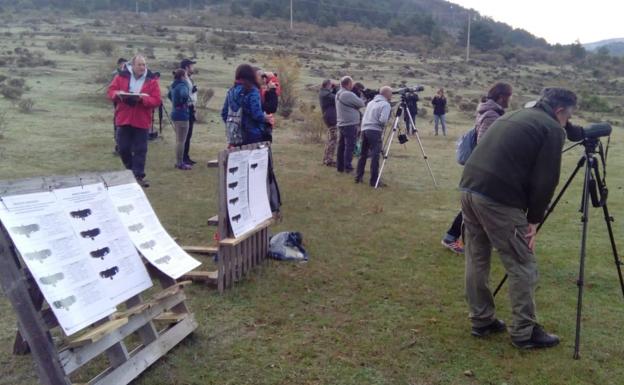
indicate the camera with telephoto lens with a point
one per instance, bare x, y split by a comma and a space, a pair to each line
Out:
591, 132
408, 90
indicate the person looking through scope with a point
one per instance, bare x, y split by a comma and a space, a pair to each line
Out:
506, 186
374, 121
348, 106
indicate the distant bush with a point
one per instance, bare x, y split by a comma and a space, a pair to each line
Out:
594, 103
17, 83
312, 129
87, 44
4, 122
26, 105
289, 71
11, 93
61, 45
106, 47
204, 96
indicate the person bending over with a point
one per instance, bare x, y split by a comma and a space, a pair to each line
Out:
506, 186
375, 119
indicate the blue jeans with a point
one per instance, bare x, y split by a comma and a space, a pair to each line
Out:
440, 119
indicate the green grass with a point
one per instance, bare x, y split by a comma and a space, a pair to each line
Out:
380, 301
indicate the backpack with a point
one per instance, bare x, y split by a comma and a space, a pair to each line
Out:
234, 122
465, 145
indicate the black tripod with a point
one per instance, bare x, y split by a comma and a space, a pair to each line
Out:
594, 189
385, 152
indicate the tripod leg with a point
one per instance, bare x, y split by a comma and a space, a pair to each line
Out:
387, 150
551, 208
581, 277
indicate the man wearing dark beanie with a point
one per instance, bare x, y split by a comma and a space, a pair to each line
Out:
506, 186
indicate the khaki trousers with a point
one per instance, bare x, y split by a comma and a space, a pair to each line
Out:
181, 130
488, 224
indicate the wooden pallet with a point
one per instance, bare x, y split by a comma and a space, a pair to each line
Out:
160, 322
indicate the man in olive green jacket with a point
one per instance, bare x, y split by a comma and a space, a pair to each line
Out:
507, 184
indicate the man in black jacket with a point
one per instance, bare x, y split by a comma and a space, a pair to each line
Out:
327, 100
439, 111
507, 184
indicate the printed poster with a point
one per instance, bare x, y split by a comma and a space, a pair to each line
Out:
239, 212
147, 233
42, 232
258, 192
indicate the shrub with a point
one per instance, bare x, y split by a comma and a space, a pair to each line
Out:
106, 47
11, 93
313, 128
594, 103
17, 83
26, 105
87, 44
204, 96
289, 70
4, 122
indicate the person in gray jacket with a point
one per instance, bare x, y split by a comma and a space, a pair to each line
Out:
373, 123
348, 107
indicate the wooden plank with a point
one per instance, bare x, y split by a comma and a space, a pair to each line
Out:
205, 250
96, 333
201, 276
247, 234
213, 221
145, 356
29, 318
73, 359
171, 317
213, 163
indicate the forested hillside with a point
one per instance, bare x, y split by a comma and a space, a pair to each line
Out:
436, 20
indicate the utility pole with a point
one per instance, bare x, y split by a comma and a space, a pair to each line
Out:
291, 15
468, 37
190, 5
136, 7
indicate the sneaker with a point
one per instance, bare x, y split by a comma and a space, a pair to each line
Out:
184, 166
539, 339
457, 246
497, 326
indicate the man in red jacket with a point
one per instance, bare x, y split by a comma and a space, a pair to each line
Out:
137, 93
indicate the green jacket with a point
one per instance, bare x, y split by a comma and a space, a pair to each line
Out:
518, 161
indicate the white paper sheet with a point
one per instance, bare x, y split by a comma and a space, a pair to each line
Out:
241, 219
147, 233
43, 234
102, 234
258, 193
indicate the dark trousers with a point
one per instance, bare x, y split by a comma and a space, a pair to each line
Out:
346, 144
371, 146
187, 144
455, 230
133, 148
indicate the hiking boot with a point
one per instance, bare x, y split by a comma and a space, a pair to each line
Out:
189, 161
455, 246
497, 326
358, 180
539, 339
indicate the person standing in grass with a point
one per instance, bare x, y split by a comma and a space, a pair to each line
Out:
491, 108
439, 111
348, 107
180, 96
506, 186
245, 94
136, 92
188, 66
375, 119
327, 100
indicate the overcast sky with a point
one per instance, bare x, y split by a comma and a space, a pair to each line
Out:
557, 21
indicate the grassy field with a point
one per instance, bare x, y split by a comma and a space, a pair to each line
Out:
380, 301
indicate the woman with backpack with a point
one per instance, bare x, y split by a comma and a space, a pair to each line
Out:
242, 110
179, 94
491, 108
